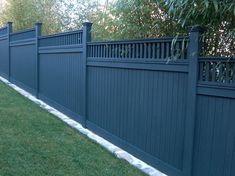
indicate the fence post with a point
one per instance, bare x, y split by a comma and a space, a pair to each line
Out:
194, 49
9, 31
38, 31
86, 37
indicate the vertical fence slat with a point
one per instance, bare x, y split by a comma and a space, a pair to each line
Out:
133, 51
185, 49
158, 50
213, 71
116, 51
207, 72
227, 76
111, 50
93, 51
234, 73
126, 50
167, 50
178, 51
129, 51
201, 71
123, 50
98, 50
150, 53
102, 50
221, 72
106, 51
145, 50
141, 50
162, 50
119, 50
154, 50
137, 50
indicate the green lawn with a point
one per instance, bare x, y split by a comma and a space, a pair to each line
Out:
35, 143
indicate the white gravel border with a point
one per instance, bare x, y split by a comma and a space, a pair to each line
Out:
118, 152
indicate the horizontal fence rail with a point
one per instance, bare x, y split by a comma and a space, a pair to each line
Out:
164, 48
156, 98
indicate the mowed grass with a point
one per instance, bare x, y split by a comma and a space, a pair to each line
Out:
35, 143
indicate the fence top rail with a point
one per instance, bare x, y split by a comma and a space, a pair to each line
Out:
60, 34
3, 31
216, 59
3, 28
23, 31
150, 40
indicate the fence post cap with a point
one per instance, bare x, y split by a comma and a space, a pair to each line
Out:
38, 24
38, 28
9, 26
197, 28
89, 24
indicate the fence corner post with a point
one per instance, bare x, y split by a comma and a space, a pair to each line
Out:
38, 32
194, 50
9, 31
86, 37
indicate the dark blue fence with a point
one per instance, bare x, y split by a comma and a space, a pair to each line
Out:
156, 98
61, 62
4, 50
23, 60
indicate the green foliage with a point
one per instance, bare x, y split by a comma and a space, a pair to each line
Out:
132, 19
104, 23
218, 17
77, 12
24, 14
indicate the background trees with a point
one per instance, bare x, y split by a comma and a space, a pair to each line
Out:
218, 17
24, 13
130, 19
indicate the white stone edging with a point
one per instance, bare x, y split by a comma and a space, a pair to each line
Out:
118, 152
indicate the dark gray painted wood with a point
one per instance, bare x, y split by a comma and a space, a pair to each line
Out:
23, 66
22, 35
5, 50
214, 137
60, 80
193, 53
38, 30
4, 61
121, 102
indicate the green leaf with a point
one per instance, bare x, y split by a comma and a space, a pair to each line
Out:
234, 10
206, 3
215, 5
